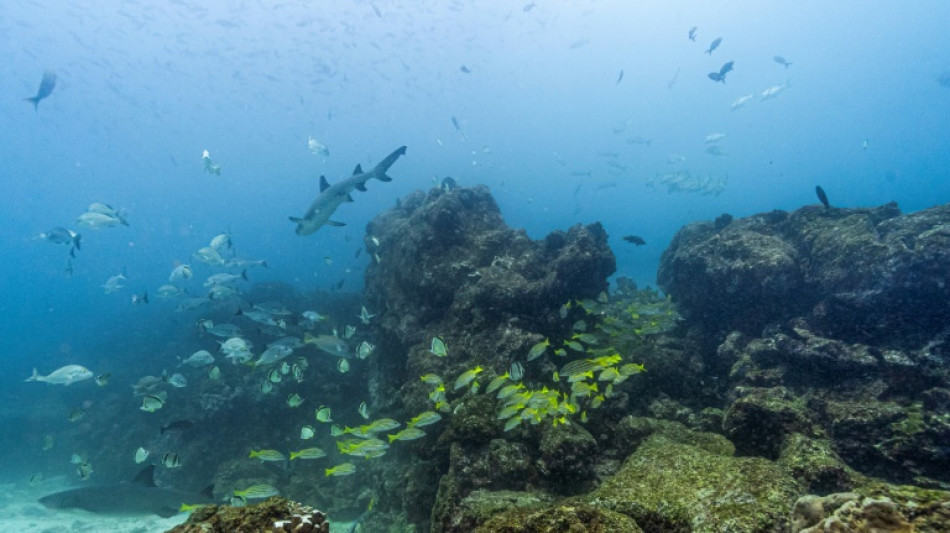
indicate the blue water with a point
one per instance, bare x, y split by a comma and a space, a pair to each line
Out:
144, 87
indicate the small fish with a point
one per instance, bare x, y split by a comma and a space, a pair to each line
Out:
635, 240
257, 491
343, 366
76, 459
103, 379
741, 101
47, 443
721, 75
274, 376
297, 372
431, 379
773, 91
455, 122
822, 197
181, 272
214, 374
47, 84
714, 137
713, 45
324, 414
140, 298
77, 414
308, 453
65, 375
438, 347
538, 350
306, 433
424, 419
141, 455
84, 471
171, 460
267, 455
266, 386
692, 33
410, 433
294, 400
363, 411
210, 167
781, 61
564, 310
465, 70
516, 372
349, 331
36, 479
364, 350
619, 77
364, 315
317, 148
344, 469
467, 377
199, 358
177, 380
152, 403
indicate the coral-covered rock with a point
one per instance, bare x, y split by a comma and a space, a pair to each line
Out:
572, 517
925, 513
275, 515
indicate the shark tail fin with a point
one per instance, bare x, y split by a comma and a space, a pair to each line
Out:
35, 100
35, 376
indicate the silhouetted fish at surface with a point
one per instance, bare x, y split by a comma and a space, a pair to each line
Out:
822, 196
638, 241
47, 84
781, 61
713, 45
721, 75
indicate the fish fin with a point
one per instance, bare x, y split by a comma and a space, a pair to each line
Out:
244, 274
296, 220
349, 198
146, 477
35, 100
35, 376
357, 170
361, 187
335, 223
384, 177
323, 183
208, 491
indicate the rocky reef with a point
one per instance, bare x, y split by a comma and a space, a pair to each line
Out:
808, 362
276, 515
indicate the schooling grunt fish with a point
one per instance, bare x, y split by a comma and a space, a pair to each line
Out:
332, 196
47, 84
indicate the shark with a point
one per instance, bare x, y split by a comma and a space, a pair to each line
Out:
333, 196
137, 497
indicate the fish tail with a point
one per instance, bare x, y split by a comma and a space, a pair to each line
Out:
35, 100
384, 165
34, 377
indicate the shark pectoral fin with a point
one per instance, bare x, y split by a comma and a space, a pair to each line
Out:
357, 170
335, 223
383, 177
146, 477
360, 187
295, 220
349, 198
208, 492
323, 183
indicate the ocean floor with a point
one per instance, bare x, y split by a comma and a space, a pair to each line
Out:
23, 513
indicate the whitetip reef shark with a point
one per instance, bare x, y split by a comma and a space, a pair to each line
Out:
332, 196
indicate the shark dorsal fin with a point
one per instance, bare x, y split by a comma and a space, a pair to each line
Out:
357, 170
323, 183
146, 477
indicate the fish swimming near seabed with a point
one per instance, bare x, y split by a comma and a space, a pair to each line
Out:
332, 196
47, 84
822, 197
139, 496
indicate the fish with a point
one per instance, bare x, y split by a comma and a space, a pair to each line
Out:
225, 278
177, 425
47, 443
721, 75
257, 491
141, 454
267, 455
103, 379
76, 414
329, 344
822, 196
210, 167
538, 350
323, 414
177, 380
199, 358
774, 91
317, 148
465, 70
438, 348
781, 61
84, 470
455, 124
180, 272
714, 137
692, 33
467, 377
349, 331
713, 45
274, 376
47, 84
365, 315
412, 433
66, 375
214, 374
274, 354
516, 371
61, 235
139, 496
238, 262
332, 196
306, 433
222, 241
153, 402
344, 469
294, 400
343, 366
741, 101
99, 220
209, 256
363, 410
140, 298
308, 453
113, 284
171, 460
619, 78
424, 419
635, 240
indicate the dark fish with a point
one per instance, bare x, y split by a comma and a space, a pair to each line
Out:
339, 284
713, 45
47, 84
633, 239
620, 77
822, 196
528, 7
455, 122
692, 33
721, 75
781, 61
448, 184
358, 252
465, 69
376, 10
178, 425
